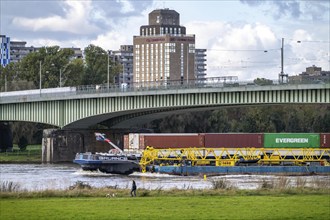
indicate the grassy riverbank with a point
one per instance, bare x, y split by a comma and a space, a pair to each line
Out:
32, 154
217, 206
81, 201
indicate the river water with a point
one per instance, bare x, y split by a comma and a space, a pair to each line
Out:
36, 177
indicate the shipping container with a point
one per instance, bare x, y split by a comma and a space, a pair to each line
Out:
291, 140
126, 141
162, 141
325, 140
133, 141
233, 140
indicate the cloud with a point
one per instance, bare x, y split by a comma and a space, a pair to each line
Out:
315, 10
237, 49
126, 6
74, 21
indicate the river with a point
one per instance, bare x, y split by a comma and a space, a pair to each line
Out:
36, 177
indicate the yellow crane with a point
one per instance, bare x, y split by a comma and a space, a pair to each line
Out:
233, 156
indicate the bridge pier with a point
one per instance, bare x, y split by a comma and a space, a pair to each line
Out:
6, 138
62, 145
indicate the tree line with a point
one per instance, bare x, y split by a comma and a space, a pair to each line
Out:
58, 66
263, 119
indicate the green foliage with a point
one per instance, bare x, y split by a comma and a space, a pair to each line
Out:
96, 70
32, 154
263, 81
265, 119
22, 143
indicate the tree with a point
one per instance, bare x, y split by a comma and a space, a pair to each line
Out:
22, 143
96, 71
263, 81
219, 121
47, 62
10, 78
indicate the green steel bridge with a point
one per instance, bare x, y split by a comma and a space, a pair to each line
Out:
81, 107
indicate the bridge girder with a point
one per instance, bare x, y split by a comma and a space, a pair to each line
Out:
84, 110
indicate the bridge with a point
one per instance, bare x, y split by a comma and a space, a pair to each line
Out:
81, 107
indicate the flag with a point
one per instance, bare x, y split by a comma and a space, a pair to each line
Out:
101, 137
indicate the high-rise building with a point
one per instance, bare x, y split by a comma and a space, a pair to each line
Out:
200, 65
163, 52
5, 50
124, 56
77, 52
18, 50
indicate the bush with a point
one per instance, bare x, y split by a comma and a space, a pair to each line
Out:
22, 143
266, 184
220, 184
80, 185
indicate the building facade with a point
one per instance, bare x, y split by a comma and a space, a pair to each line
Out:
18, 50
313, 74
123, 56
200, 65
5, 50
163, 52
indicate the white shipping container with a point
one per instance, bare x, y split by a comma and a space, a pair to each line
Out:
134, 141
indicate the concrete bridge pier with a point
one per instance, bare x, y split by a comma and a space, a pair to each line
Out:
62, 145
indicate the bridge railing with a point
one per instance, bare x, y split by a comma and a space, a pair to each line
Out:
161, 85
214, 82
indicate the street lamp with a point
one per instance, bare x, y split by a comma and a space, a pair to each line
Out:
40, 76
60, 77
282, 75
108, 69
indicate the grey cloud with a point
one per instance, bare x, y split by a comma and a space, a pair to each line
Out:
317, 10
30, 9
110, 9
287, 7
252, 3
309, 9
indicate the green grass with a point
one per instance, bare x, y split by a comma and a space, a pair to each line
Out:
169, 207
32, 154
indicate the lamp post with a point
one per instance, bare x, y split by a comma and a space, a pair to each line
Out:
187, 64
6, 82
108, 80
282, 75
40, 76
60, 77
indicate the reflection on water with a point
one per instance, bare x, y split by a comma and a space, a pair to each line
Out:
61, 176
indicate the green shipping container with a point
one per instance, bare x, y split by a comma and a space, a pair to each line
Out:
291, 140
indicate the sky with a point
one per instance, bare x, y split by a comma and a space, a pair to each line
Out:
243, 38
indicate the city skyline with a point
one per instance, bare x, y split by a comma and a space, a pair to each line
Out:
242, 38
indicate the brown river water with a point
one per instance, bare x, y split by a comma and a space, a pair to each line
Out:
35, 177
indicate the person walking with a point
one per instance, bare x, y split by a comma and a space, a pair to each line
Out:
133, 191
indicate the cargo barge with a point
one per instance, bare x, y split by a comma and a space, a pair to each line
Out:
223, 170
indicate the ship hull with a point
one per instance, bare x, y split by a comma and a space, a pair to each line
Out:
107, 164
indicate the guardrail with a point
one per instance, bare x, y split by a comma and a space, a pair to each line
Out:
214, 82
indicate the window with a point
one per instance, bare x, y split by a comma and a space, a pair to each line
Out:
191, 48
